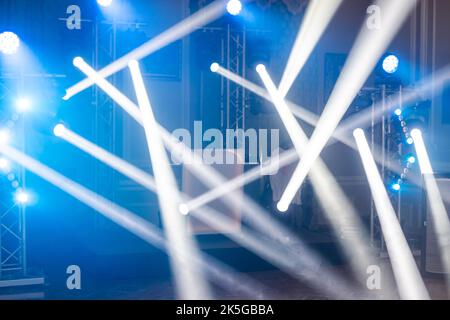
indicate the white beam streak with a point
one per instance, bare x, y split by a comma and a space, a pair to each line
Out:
407, 276
366, 52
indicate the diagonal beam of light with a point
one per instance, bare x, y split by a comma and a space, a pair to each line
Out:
176, 32
366, 52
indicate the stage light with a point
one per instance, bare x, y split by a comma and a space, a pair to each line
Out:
184, 209
22, 197
234, 7
9, 43
390, 64
210, 177
406, 273
104, 3
396, 186
192, 23
260, 68
368, 48
409, 140
214, 67
412, 159
398, 112
58, 130
439, 214
4, 136
23, 104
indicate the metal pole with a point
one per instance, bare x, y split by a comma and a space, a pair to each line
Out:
372, 208
383, 142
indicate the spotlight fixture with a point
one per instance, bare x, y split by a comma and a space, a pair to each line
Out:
409, 140
9, 43
58, 130
214, 67
183, 208
104, 3
260, 68
390, 64
234, 7
22, 197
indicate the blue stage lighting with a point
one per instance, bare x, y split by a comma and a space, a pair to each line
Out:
23, 104
396, 186
104, 3
410, 140
22, 197
412, 159
390, 64
214, 67
9, 43
234, 7
398, 112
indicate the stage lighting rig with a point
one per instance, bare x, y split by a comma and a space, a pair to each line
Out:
234, 7
9, 43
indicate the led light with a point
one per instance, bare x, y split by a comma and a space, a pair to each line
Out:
104, 3
58, 130
412, 159
410, 140
9, 43
398, 112
214, 67
396, 186
234, 7
390, 64
260, 68
184, 209
22, 197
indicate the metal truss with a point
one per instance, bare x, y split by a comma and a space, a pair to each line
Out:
12, 239
236, 63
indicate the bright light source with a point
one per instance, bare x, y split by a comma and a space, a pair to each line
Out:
407, 276
390, 64
193, 22
410, 140
260, 68
317, 17
22, 197
398, 112
412, 159
184, 209
234, 7
4, 164
23, 104
396, 186
58, 130
9, 43
4, 136
214, 67
104, 3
